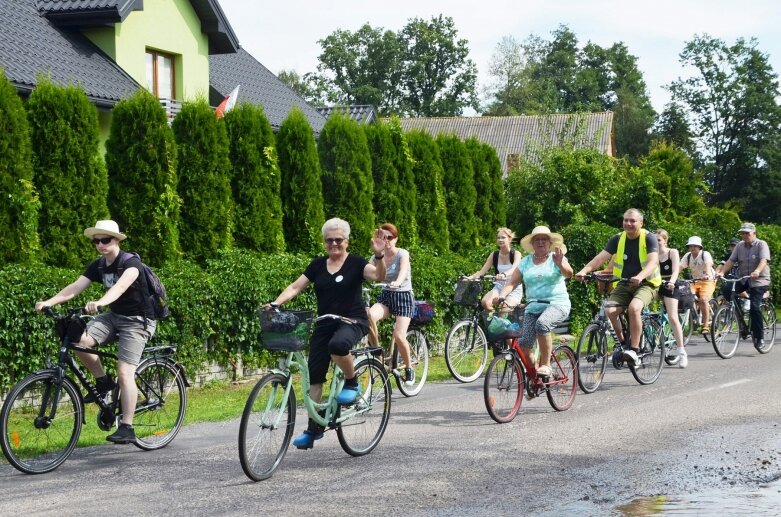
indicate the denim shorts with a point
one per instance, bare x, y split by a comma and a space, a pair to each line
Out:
132, 333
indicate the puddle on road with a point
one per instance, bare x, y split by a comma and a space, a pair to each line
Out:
765, 500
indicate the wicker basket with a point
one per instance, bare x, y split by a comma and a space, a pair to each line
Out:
287, 331
467, 292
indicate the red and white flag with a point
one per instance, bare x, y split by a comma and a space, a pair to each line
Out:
227, 103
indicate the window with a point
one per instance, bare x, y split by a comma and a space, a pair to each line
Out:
160, 74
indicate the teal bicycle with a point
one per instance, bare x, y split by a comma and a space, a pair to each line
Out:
269, 415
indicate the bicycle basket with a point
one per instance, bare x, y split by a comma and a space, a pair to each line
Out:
503, 326
467, 292
423, 312
286, 331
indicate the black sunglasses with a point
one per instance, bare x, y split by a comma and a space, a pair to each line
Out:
102, 240
336, 241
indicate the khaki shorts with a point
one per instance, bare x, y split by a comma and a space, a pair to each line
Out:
131, 332
704, 289
623, 294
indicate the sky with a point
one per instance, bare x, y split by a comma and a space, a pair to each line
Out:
283, 34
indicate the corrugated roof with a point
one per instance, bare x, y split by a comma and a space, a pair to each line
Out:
361, 113
31, 45
259, 86
522, 135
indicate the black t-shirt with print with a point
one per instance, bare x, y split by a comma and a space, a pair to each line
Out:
339, 293
632, 252
132, 301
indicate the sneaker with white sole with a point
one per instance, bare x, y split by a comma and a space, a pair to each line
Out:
630, 356
409, 377
684, 362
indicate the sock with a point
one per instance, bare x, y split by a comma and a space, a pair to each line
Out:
681, 351
351, 382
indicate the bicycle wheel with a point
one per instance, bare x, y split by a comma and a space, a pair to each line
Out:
671, 356
592, 358
162, 403
503, 387
363, 431
725, 331
561, 395
266, 426
687, 325
41, 422
769, 325
418, 352
651, 354
466, 350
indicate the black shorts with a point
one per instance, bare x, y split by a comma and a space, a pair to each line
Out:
331, 337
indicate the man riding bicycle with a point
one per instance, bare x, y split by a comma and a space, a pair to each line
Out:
636, 260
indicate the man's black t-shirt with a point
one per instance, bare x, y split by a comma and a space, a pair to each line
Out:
632, 264
339, 293
132, 302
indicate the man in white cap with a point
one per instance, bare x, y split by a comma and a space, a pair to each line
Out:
131, 319
635, 253
752, 257
700, 264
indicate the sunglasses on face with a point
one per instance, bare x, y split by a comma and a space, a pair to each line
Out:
336, 241
102, 240
388, 237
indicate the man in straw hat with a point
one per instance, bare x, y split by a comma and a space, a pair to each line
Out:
131, 319
752, 257
637, 261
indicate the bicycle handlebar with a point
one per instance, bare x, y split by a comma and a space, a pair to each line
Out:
479, 279
343, 319
735, 280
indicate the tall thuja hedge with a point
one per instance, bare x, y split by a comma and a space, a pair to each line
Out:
347, 178
141, 163
496, 187
460, 193
484, 202
204, 181
430, 213
408, 223
257, 220
301, 189
19, 213
69, 172
387, 205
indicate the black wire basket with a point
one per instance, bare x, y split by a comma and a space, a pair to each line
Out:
285, 331
467, 292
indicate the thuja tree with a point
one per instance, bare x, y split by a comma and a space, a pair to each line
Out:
255, 181
19, 214
301, 189
431, 212
460, 193
69, 173
204, 181
483, 201
347, 177
141, 163
407, 194
387, 205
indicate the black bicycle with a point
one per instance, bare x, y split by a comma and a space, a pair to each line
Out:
733, 321
42, 415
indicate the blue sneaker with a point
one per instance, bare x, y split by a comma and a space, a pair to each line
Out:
347, 395
307, 440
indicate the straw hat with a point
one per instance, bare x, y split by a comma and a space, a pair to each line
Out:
556, 240
107, 227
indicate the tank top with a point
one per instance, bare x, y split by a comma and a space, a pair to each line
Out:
666, 267
393, 269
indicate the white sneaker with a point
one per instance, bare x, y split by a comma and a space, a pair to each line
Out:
630, 356
684, 362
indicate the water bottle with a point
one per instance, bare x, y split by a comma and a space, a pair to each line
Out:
746, 305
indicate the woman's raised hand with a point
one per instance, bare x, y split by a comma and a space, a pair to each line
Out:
378, 242
558, 256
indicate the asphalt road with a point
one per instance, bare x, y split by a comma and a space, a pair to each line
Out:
714, 425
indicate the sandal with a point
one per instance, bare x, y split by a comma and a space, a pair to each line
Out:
544, 371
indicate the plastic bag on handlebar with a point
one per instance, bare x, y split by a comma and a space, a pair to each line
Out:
73, 328
284, 330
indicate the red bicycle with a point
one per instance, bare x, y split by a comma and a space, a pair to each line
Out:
510, 374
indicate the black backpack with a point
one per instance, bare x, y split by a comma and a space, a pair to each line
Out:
156, 296
496, 259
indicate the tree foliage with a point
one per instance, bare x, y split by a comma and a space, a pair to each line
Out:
348, 186
301, 188
421, 70
255, 180
19, 215
69, 173
460, 193
431, 211
204, 181
387, 188
736, 119
407, 193
141, 163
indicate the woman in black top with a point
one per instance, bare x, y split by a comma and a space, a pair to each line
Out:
337, 279
669, 266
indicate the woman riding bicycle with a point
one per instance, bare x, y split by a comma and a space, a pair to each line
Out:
669, 267
543, 272
396, 299
337, 279
504, 261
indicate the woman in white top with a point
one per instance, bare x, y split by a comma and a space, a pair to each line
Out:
504, 261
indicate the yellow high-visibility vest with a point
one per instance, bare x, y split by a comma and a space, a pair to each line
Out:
655, 279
